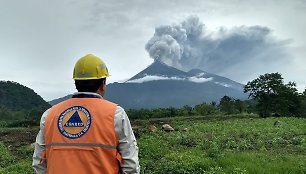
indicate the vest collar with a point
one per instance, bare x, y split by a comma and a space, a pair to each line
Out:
86, 95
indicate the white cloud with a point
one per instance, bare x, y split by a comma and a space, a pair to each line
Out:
200, 79
223, 84
148, 78
153, 78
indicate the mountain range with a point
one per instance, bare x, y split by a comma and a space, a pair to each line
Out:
160, 85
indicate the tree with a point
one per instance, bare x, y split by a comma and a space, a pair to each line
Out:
289, 101
187, 110
205, 109
302, 97
227, 105
240, 106
272, 95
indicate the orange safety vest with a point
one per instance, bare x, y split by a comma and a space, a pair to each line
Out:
80, 137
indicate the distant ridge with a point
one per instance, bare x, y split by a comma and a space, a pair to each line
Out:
15, 97
55, 101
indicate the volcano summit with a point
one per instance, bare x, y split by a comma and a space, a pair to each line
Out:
160, 85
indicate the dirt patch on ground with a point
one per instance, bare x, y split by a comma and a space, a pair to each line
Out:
15, 138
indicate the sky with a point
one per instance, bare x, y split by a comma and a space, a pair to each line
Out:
41, 40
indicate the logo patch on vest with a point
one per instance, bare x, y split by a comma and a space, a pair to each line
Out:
74, 122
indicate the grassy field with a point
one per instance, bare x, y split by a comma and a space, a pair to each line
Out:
235, 145
16, 150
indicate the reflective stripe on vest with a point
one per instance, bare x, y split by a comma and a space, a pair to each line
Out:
81, 145
80, 137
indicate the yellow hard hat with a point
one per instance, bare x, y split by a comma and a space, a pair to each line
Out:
90, 67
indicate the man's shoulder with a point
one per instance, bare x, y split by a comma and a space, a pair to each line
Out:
119, 109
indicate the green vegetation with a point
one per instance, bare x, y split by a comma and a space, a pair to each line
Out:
16, 151
227, 106
272, 145
20, 106
15, 97
198, 145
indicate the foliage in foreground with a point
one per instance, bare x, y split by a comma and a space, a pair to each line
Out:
249, 145
17, 163
237, 146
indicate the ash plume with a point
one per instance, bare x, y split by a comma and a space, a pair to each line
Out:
189, 45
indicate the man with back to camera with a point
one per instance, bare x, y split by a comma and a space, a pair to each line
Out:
86, 134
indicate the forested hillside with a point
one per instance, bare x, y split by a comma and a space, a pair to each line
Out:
20, 105
15, 97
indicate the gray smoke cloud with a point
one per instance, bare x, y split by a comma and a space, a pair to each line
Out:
189, 45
